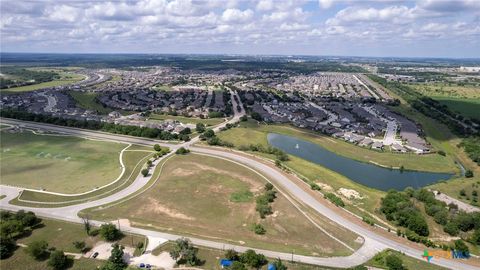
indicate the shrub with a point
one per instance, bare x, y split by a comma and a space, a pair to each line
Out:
259, 229
37, 249
314, 186
335, 199
58, 260
182, 151
109, 232
145, 172
394, 262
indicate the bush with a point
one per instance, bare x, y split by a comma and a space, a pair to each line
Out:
232, 255
7, 247
252, 259
334, 199
461, 246
38, 250
451, 228
182, 151
145, 172
468, 173
314, 186
442, 153
58, 260
394, 262
109, 232
259, 229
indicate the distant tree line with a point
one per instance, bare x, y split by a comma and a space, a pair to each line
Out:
145, 132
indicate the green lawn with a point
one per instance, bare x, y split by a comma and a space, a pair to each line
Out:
209, 183
188, 120
57, 163
65, 78
20, 260
87, 101
134, 162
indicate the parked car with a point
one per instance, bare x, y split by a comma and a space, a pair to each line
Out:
95, 255
141, 265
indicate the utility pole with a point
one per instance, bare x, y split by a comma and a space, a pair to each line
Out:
118, 221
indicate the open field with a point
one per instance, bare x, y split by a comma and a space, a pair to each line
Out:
57, 163
195, 194
134, 159
87, 101
20, 258
463, 99
252, 133
188, 120
65, 78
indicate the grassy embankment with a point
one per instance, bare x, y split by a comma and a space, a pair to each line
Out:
57, 163
224, 209
134, 159
61, 235
88, 101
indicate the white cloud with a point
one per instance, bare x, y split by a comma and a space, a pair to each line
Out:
233, 15
63, 13
325, 4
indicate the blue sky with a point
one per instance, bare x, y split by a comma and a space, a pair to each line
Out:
422, 28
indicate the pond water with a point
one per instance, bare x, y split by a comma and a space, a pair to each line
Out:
364, 173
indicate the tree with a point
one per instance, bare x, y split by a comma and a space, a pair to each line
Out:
37, 249
252, 259
468, 173
7, 247
279, 265
115, 261
236, 265
461, 246
58, 260
157, 148
9, 228
208, 133
80, 245
268, 186
200, 128
182, 151
145, 172
184, 251
109, 232
243, 118
451, 228
394, 262
231, 254
475, 239
86, 225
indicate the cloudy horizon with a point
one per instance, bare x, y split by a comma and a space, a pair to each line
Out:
383, 28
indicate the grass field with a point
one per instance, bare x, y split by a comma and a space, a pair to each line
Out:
462, 99
188, 120
193, 197
65, 78
57, 163
133, 160
87, 101
20, 260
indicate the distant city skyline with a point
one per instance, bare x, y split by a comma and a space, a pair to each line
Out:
384, 28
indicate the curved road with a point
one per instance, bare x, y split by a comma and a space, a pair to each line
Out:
373, 242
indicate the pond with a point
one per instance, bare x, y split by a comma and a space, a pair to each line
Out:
363, 173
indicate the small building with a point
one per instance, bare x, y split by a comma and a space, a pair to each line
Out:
366, 142
398, 148
377, 146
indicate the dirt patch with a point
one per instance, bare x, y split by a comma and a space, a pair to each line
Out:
254, 184
182, 172
350, 193
156, 207
325, 187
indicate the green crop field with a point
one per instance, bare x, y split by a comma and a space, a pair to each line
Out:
188, 120
193, 197
57, 163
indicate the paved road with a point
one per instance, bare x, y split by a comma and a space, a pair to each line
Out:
373, 241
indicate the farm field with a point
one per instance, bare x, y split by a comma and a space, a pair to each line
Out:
212, 198
188, 120
57, 163
65, 78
